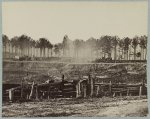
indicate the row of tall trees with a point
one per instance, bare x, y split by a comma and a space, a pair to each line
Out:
105, 46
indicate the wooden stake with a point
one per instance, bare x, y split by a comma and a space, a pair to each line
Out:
31, 93
84, 91
97, 90
114, 94
11, 95
36, 95
91, 86
128, 92
140, 91
22, 89
110, 86
77, 90
49, 91
120, 94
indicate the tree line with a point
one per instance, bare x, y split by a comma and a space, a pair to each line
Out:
105, 46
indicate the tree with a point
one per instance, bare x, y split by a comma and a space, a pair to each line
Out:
126, 43
57, 49
106, 45
143, 45
5, 43
76, 47
65, 45
97, 47
91, 43
114, 41
15, 45
121, 44
42, 44
49, 46
24, 44
32, 45
134, 45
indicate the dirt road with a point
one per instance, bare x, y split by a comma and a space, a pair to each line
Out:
101, 107
127, 108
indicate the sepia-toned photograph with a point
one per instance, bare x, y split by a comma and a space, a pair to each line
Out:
74, 58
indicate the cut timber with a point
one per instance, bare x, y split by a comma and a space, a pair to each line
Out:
11, 95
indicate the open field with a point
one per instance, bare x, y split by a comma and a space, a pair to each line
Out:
102, 107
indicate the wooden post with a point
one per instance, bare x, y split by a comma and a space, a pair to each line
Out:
110, 86
77, 90
62, 88
11, 95
36, 95
140, 91
84, 91
27, 96
120, 93
49, 91
114, 94
91, 85
31, 93
97, 90
128, 92
143, 83
22, 89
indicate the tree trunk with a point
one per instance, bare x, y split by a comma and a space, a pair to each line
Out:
91, 55
12, 51
31, 51
51, 52
127, 55
44, 51
115, 53
141, 57
9, 51
97, 53
28, 51
134, 53
40, 52
145, 54
48, 52
34, 51
63, 52
5, 51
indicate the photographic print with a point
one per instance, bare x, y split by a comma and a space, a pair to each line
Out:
74, 58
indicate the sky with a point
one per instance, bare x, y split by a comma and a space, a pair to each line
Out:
82, 20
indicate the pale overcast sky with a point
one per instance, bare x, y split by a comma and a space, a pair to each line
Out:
76, 19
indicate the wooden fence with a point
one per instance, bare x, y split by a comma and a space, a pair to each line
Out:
82, 88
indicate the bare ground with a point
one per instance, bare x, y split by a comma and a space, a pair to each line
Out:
102, 107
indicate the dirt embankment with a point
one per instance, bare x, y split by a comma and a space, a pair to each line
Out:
13, 72
101, 107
